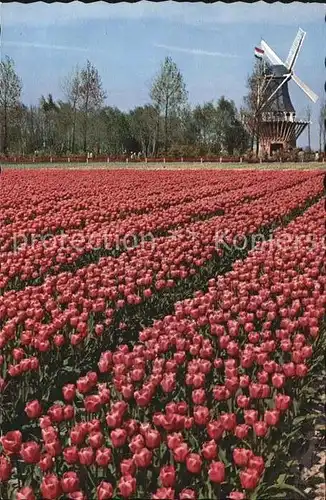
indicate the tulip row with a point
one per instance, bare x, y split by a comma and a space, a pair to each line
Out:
73, 202
47, 329
30, 262
195, 408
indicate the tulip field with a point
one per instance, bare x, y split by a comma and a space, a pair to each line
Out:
161, 332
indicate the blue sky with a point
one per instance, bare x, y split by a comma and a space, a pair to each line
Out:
211, 43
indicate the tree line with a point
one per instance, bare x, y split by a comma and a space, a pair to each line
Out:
82, 122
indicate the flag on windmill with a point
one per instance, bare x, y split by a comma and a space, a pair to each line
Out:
259, 52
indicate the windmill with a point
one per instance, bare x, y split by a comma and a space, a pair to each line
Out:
278, 126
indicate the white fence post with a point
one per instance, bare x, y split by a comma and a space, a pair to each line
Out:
163, 160
108, 160
241, 159
201, 160
181, 159
68, 159
220, 159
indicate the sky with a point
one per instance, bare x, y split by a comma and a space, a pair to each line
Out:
212, 44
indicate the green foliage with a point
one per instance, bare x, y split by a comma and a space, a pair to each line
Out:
81, 122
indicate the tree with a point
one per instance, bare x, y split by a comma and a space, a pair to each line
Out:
308, 116
219, 129
10, 91
232, 134
71, 88
252, 111
206, 125
91, 95
168, 93
143, 121
322, 127
49, 109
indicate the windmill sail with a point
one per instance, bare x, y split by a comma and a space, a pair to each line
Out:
295, 49
305, 88
270, 54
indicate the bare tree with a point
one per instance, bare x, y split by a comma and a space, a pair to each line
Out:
10, 90
308, 117
91, 95
252, 111
71, 87
322, 127
168, 92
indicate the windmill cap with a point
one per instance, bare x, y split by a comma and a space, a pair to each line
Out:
280, 70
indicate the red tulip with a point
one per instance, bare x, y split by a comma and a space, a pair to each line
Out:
249, 479
69, 482
104, 490
282, 402
95, 439
180, 452
209, 450
173, 440
143, 457
198, 396
250, 416
46, 462
92, 403
33, 409
11, 442
77, 495
69, 392
103, 456
229, 421
260, 428
127, 467
127, 486
216, 472
5, 469
50, 487
187, 494
241, 456
271, 417
194, 463
152, 438
215, 429
86, 456
30, 452
201, 415
237, 495
241, 431
118, 437
256, 463
137, 443
25, 493
163, 494
70, 454
167, 476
